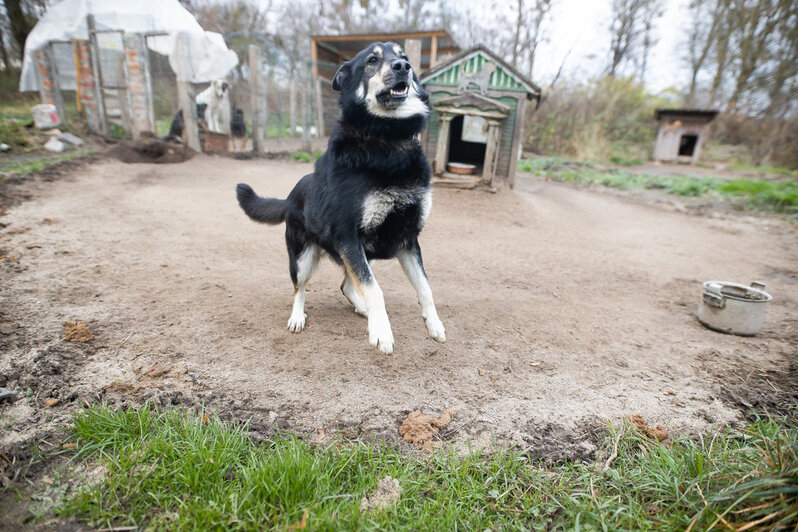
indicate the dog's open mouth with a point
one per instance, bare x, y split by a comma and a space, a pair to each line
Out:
400, 90
395, 95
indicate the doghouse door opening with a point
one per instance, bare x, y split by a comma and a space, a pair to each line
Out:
687, 145
465, 151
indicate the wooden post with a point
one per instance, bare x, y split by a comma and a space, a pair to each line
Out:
319, 109
314, 76
257, 98
413, 51
122, 98
292, 105
137, 82
47, 79
307, 111
94, 52
443, 143
433, 52
84, 74
491, 151
186, 94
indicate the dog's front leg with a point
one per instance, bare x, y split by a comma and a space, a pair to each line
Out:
357, 267
410, 259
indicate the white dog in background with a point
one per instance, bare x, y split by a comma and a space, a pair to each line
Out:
217, 114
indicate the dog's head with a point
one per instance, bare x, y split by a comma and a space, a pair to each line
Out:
381, 81
220, 87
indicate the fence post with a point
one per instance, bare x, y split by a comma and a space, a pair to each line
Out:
413, 51
94, 52
255, 86
186, 94
307, 110
48, 83
138, 85
292, 104
84, 79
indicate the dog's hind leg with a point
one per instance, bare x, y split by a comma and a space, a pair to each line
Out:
358, 269
349, 290
410, 259
303, 261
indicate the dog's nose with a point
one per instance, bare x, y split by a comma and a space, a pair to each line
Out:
399, 65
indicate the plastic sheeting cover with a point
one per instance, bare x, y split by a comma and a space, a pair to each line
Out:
66, 20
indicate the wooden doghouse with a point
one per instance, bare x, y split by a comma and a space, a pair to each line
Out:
478, 104
681, 134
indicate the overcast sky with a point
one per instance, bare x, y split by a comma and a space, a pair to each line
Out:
582, 26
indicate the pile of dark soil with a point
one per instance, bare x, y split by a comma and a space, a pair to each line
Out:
150, 150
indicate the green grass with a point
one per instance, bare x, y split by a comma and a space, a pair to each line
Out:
305, 157
776, 170
175, 471
27, 165
777, 196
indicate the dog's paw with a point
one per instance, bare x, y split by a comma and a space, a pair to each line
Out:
435, 329
380, 334
297, 323
361, 311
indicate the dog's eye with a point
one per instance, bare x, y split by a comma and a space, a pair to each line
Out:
372, 60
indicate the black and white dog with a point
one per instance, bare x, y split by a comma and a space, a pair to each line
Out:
369, 195
217, 98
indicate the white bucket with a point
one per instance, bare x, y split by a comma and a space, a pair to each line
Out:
45, 115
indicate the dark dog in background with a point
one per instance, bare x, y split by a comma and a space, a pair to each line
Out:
176, 127
369, 195
238, 130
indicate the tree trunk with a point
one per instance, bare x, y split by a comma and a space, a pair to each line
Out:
3, 51
20, 22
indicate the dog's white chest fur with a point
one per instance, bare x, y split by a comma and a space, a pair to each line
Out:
378, 205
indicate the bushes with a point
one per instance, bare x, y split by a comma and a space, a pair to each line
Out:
600, 119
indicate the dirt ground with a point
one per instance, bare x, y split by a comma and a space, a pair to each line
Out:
564, 307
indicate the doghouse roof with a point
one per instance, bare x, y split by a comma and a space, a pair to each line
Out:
330, 51
505, 78
707, 114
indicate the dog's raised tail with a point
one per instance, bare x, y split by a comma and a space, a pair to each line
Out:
264, 210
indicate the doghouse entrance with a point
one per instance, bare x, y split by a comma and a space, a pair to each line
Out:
687, 145
464, 150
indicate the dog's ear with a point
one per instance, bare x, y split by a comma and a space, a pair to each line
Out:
340, 77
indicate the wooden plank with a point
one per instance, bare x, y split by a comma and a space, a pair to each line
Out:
319, 108
380, 36
98, 79
413, 51
307, 108
292, 105
433, 53
123, 98
441, 153
186, 94
518, 139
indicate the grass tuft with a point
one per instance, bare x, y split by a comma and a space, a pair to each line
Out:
36, 163
176, 471
777, 196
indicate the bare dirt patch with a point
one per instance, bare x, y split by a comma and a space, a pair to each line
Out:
564, 308
386, 494
150, 150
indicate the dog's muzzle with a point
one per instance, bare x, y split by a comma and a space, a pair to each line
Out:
398, 85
